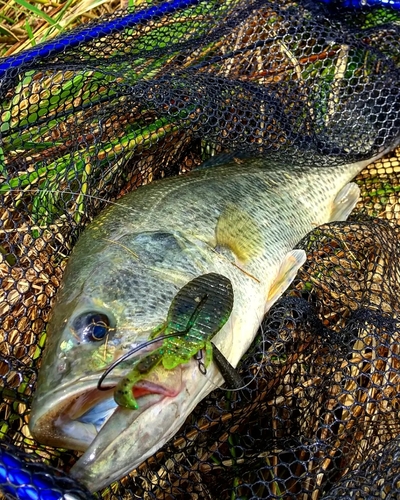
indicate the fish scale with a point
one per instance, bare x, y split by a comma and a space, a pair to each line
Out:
241, 220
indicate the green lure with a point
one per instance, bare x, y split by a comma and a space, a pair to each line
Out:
198, 311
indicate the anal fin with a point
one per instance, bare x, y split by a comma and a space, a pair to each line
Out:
287, 272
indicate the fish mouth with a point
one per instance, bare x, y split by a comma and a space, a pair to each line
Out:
129, 437
76, 413
116, 440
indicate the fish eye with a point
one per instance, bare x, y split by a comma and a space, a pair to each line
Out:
91, 326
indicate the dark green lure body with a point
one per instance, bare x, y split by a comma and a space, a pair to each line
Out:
197, 313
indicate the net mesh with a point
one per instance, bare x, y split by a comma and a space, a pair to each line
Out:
125, 103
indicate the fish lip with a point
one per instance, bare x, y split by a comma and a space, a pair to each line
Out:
51, 411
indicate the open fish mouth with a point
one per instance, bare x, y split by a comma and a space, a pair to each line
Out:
82, 411
115, 439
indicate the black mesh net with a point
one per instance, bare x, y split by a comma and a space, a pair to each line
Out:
134, 98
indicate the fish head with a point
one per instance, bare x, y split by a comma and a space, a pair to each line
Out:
113, 298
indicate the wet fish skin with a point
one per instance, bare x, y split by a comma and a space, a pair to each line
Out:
240, 220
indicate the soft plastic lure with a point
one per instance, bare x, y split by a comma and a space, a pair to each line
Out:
198, 311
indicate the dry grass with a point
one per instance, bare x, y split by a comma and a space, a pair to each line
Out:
24, 24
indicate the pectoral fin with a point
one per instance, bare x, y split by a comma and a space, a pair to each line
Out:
291, 264
237, 231
345, 201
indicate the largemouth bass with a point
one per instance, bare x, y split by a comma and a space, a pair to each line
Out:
240, 220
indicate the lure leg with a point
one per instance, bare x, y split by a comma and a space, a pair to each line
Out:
231, 376
123, 394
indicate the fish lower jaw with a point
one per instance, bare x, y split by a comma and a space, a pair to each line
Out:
129, 437
81, 423
74, 421
80, 433
77, 435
